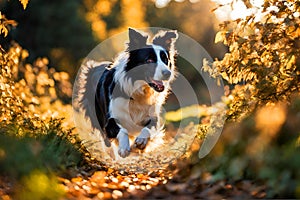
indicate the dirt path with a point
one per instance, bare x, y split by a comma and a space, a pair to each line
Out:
182, 180
179, 183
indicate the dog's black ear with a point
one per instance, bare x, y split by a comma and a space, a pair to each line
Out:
136, 39
166, 39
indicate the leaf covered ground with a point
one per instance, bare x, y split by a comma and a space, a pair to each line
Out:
182, 180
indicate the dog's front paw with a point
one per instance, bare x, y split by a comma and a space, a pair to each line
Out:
124, 152
140, 142
124, 147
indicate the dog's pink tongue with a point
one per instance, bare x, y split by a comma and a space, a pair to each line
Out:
159, 85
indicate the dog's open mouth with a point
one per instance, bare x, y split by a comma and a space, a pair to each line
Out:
158, 86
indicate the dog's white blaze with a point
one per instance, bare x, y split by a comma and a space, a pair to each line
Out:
161, 66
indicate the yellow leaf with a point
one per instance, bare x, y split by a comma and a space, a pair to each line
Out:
296, 33
220, 36
291, 62
24, 3
3, 30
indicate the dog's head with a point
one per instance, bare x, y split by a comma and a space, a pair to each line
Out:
152, 63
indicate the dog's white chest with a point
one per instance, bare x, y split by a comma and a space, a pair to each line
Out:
131, 115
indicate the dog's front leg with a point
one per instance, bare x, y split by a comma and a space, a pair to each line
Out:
142, 140
115, 130
124, 147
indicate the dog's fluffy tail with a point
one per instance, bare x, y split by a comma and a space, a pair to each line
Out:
85, 90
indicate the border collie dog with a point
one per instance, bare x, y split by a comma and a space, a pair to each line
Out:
127, 94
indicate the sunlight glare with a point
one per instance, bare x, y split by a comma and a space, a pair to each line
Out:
257, 3
236, 9
222, 2
239, 10
161, 3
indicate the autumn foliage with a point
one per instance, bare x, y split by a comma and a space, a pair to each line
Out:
264, 57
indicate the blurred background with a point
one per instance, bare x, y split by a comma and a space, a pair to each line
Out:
66, 31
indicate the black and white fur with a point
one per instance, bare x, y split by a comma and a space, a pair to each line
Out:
127, 94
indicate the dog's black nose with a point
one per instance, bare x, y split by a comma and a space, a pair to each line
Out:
166, 74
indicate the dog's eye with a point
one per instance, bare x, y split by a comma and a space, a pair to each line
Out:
165, 60
149, 60
164, 57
